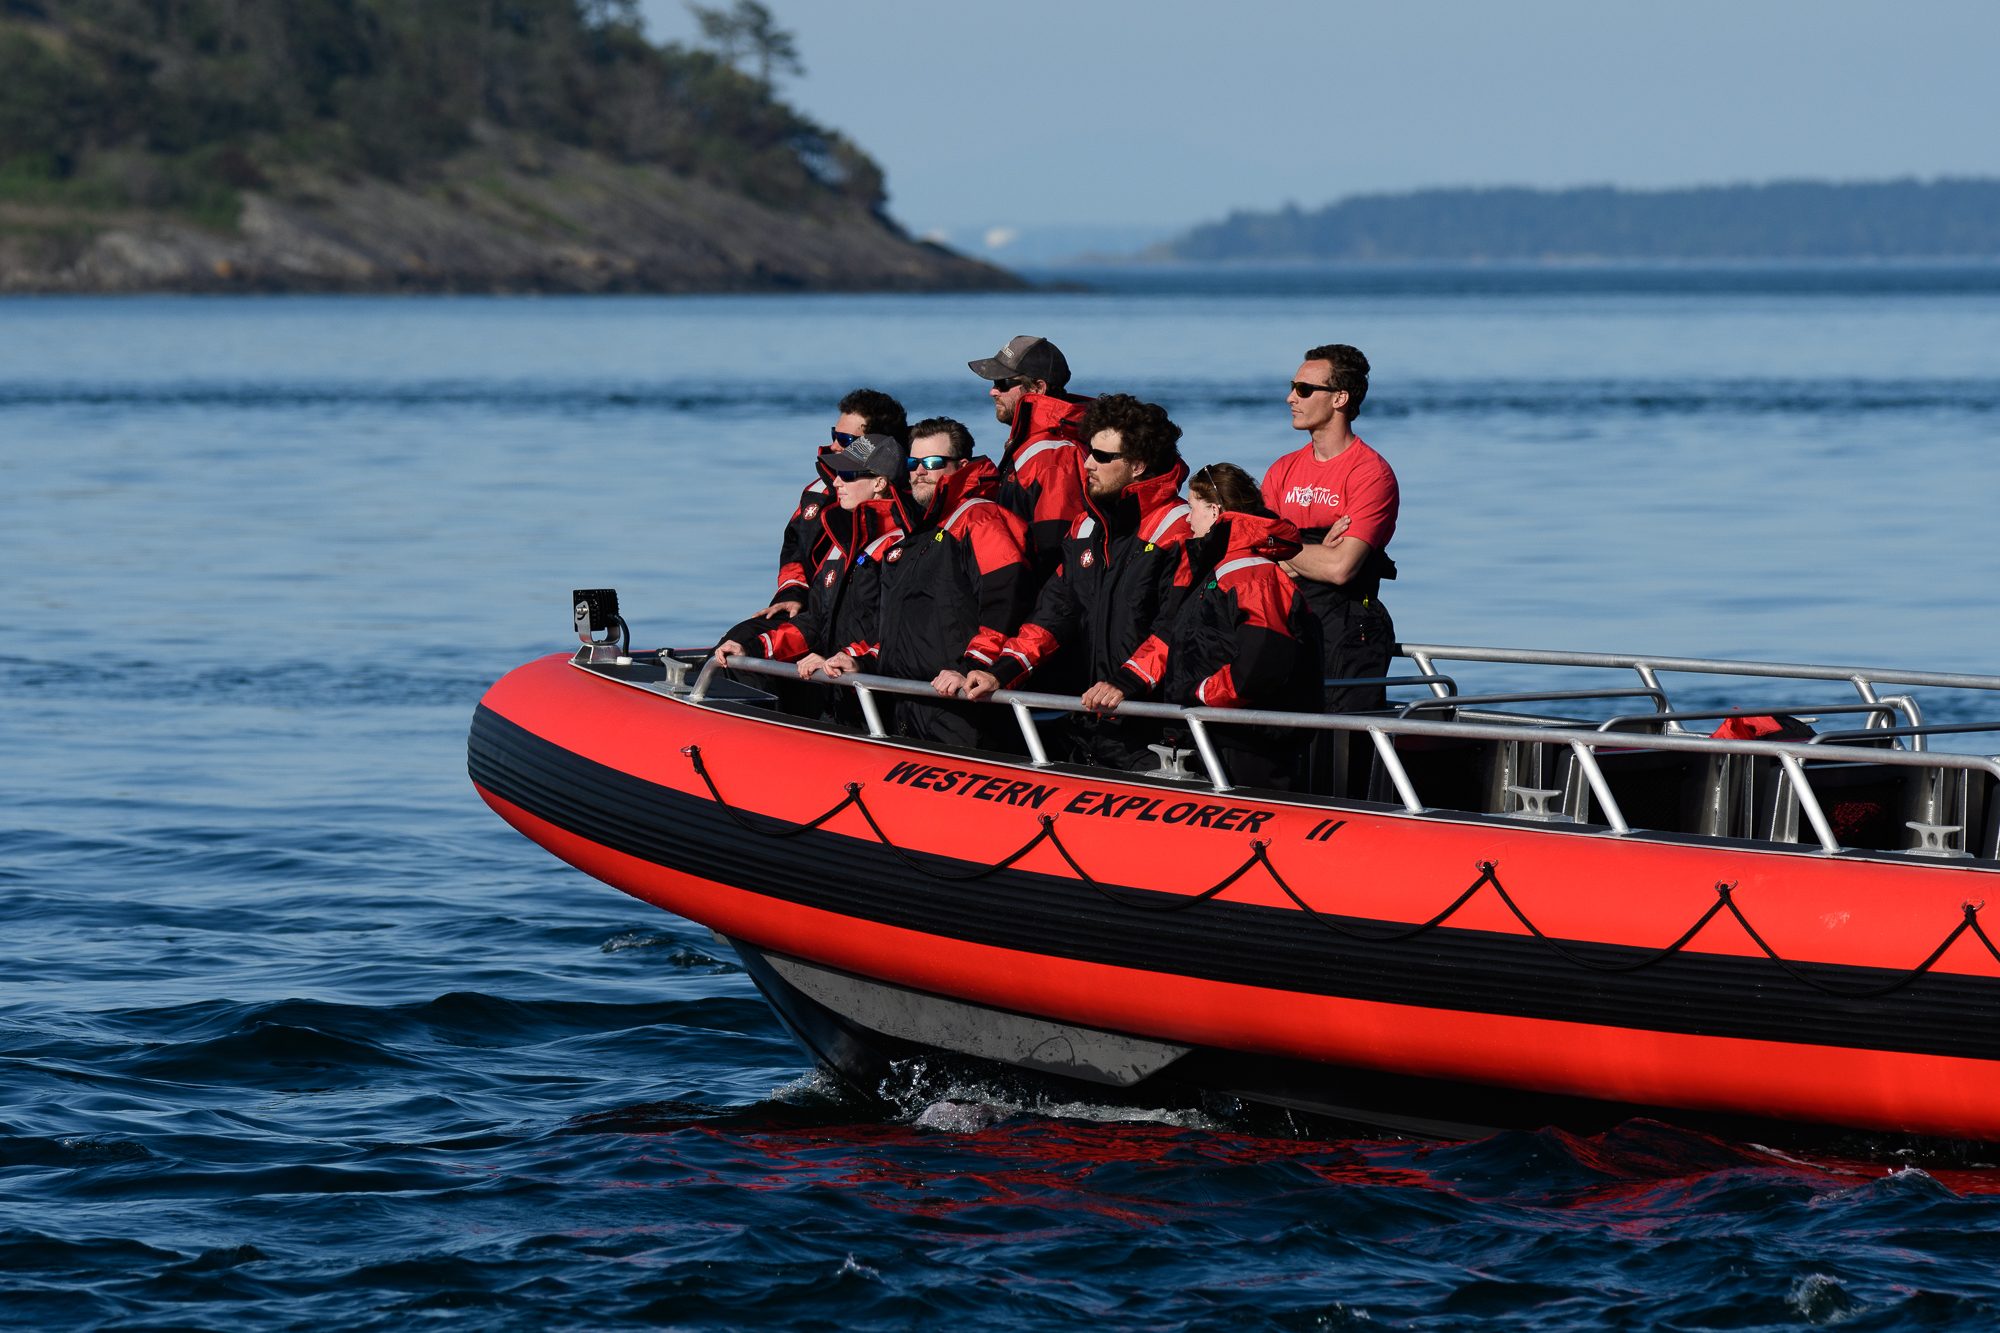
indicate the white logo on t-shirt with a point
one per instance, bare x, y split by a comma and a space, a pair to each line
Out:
1307, 496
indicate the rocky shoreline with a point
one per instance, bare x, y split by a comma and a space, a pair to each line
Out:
504, 217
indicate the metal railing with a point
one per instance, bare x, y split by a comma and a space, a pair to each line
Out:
1863, 679
1582, 739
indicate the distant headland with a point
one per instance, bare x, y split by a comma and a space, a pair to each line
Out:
1790, 220
374, 145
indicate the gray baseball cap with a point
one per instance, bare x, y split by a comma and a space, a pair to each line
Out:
1028, 357
880, 455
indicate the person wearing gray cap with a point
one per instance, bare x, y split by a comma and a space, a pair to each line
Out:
1041, 470
843, 606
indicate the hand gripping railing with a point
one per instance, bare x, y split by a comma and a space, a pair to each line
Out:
1381, 729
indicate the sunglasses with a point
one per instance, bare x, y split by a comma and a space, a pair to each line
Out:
1305, 390
851, 474
1099, 456
935, 463
841, 437
1001, 386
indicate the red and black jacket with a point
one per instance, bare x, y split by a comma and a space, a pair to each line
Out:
843, 606
1242, 635
957, 585
1118, 570
1041, 474
806, 541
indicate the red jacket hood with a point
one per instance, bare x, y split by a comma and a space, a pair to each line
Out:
876, 518
1042, 416
977, 480
1158, 495
822, 466
1154, 496
1260, 535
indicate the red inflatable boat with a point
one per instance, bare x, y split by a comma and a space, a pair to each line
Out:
1503, 908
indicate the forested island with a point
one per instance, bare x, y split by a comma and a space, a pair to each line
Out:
1801, 220
427, 145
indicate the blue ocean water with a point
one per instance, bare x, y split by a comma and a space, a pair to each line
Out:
294, 1032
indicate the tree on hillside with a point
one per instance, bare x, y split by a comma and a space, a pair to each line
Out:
749, 28
184, 104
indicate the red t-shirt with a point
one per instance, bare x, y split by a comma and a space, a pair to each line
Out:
1357, 482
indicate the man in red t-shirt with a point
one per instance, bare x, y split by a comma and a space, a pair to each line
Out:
1342, 496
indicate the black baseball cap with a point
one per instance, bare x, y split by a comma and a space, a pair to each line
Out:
880, 455
1026, 357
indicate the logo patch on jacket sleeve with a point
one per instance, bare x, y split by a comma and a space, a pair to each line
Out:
810, 511
831, 575
1087, 559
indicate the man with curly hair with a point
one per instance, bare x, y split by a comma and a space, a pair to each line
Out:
1117, 569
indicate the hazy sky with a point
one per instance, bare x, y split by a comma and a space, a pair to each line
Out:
1176, 111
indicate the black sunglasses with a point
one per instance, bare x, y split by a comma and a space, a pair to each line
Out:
935, 463
1099, 456
851, 474
1305, 390
1001, 386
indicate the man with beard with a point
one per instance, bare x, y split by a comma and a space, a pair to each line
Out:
1041, 470
1117, 572
952, 590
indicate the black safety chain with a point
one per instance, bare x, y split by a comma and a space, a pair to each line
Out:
1260, 854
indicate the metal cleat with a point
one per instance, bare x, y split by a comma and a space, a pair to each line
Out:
1931, 840
1535, 804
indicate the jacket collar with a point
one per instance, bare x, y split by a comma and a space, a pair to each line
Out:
1145, 503
1262, 535
1044, 416
977, 480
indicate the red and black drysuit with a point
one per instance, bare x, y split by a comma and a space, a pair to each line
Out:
953, 589
843, 605
1041, 474
1242, 636
1118, 570
806, 538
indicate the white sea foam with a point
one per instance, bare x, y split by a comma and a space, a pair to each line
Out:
953, 1102
1822, 1300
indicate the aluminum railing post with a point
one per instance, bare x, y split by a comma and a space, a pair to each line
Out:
1217, 778
1392, 764
1651, 680
708, 669
1586, 757
1809, 803
871, 712
1032, 735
